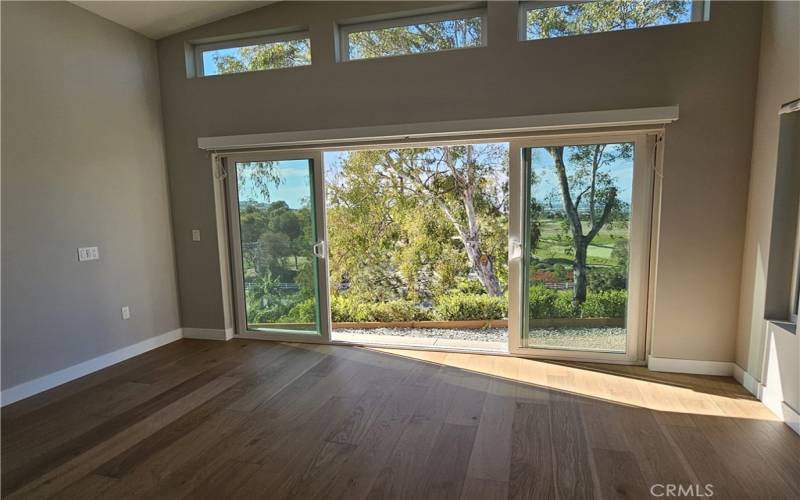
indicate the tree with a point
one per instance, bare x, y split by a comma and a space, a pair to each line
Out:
586, 191
604, 15
448, 192
423, 37
266, 56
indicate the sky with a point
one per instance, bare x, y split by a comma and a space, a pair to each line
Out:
621, 170
295, 187
209, 66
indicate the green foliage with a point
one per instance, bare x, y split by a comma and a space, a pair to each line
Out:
349, 309
461, 307
417, 38
469, 286
265, 56
621, 252
604, 15
302, 312
400, 219
546, 303
607, 278
605, 304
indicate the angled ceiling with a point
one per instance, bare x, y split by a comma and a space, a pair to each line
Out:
163, 18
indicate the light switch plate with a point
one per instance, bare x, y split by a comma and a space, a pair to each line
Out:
195, 235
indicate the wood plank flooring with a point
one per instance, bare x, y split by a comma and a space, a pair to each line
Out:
254, 419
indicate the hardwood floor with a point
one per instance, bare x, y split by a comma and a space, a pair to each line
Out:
253, 419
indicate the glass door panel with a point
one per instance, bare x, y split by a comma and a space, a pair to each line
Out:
278, 250
584, 243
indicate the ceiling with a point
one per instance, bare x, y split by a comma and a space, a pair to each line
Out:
158, 19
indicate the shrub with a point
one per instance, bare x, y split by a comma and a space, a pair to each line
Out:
347, 309
607, 278
302, 312
606, 304
396, 310
563, 307
541, 302
462, 306
545, 303
470, 287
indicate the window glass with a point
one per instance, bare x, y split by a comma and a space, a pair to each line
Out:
256, 57
414, 37
580, 18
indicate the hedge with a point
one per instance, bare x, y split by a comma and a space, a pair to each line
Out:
345, 309
544, 303
547, 303
462, 306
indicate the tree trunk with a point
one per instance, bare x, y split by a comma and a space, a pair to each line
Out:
481, 263
579, 270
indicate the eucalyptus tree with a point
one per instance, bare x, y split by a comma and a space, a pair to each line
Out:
266, 56
415, 202
577, 18
416, 38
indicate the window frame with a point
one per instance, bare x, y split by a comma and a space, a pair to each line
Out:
699, 12
345, 29
284, 35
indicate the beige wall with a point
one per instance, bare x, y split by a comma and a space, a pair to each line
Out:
778, 83
82, 165
708, 69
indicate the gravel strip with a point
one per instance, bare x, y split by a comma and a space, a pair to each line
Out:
606, 339
484, 334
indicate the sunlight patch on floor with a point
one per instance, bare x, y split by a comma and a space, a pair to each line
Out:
635, 386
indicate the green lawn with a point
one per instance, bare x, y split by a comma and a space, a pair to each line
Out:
554, 244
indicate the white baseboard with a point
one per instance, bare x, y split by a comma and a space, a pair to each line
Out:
748, 381
697, 367
41, 384
791, 417
208, 333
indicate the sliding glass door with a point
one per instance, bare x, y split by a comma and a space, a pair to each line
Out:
419, 245
278, 245
580, 247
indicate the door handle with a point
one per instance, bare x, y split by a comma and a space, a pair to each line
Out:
514, 249
320, 249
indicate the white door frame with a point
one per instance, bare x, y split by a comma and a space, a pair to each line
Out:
640, 239
234, 237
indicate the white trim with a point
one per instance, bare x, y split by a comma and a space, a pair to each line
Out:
208, 333
640, 247
219, 173
282, 35
233, 240
748, 381
694, 366
790, 417
449, 129
41, 384
787, 414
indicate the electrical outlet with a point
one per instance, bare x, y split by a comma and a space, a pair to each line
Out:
88, 253
126, 312
195, 235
